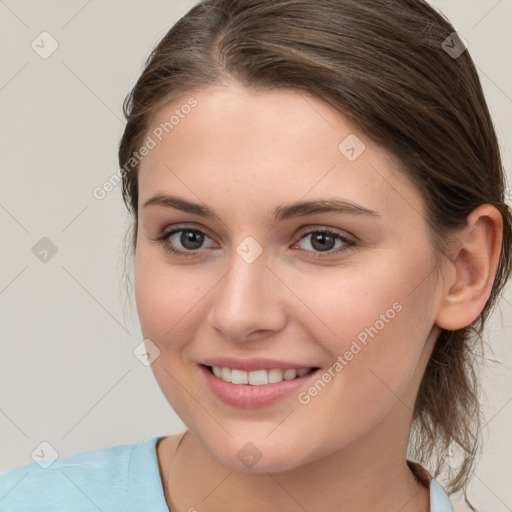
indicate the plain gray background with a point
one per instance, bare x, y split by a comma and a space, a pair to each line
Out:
67, 372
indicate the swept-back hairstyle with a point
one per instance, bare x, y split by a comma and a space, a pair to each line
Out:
390, 68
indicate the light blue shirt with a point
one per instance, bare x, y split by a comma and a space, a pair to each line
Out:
123, 478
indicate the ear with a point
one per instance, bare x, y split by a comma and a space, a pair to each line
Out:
470, 273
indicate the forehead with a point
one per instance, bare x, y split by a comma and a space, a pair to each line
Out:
251, 148
230, 120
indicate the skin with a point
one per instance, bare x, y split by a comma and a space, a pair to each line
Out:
242, 153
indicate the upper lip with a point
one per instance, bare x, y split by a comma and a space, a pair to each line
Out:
249, 365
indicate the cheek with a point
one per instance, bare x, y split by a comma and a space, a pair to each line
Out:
348, 300
375, 317
166, 298
380, 331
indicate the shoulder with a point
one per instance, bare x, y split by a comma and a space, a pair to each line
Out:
91, 480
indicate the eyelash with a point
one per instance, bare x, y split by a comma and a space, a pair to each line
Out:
164, 240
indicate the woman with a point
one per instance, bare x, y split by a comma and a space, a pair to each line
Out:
319, 235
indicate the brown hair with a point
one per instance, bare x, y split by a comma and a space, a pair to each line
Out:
384, 66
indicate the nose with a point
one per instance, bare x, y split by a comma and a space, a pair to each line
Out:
248, 303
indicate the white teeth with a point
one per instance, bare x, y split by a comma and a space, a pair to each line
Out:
225, 374
289, 374
275, 375
258, 377
239, 377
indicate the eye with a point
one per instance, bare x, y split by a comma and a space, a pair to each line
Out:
190, 239
324, 241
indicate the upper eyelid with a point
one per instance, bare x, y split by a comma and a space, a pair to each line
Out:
176, 229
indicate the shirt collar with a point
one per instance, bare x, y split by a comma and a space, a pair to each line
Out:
439, 501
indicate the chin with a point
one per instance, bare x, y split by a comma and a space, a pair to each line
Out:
253, 464
259, 456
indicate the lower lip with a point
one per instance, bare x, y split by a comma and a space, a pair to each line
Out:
249, 396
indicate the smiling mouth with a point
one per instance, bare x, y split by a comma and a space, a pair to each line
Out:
258, 377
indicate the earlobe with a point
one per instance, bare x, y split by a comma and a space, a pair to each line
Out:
470, 274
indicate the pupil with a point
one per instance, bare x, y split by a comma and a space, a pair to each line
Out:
321, 239
192, 237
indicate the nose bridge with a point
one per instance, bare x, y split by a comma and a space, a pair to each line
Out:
247, 298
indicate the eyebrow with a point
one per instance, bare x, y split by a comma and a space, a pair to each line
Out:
280, 213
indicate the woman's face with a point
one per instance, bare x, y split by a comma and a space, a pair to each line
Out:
263, 286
